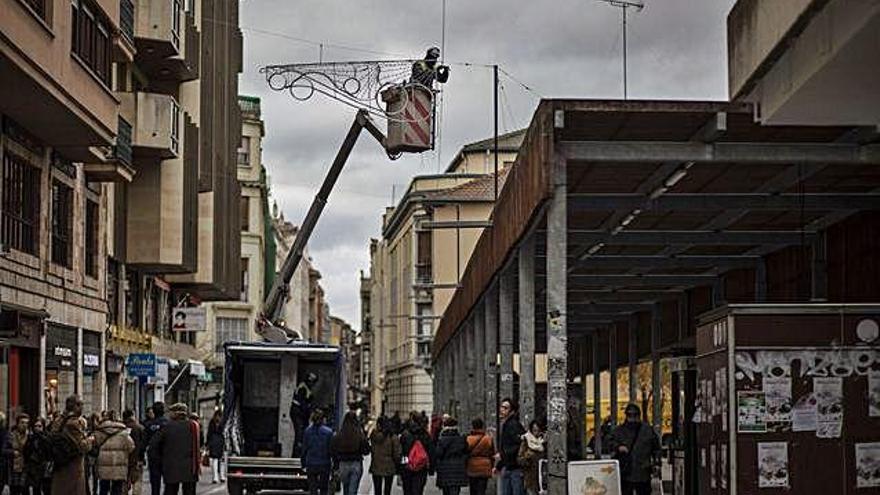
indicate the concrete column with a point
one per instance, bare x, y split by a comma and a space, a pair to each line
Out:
557, 352
102, 371
656, 389
505, 333
479, 361
490, 304
580, 355
597, 391
632, 355
461, 383
527, 329
42, 372
612, 371
79, 368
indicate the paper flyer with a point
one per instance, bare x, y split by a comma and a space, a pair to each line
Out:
772, 465
805, 414
751, 411
713, 466
724, 401
723, 473
777, 393
828, 392
874, 394
868, 465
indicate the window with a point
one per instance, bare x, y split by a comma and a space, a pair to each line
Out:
425, 320
132, 299
91, 239
244, 152
230, 330
38, 6
91, 38
62, 223
21, 212
423, 349
113, 290
244, 208
423, 264
244, 280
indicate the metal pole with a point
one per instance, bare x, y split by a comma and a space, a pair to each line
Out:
612, 371
597, 395
632, 356
623, 9
495, 143
656, 385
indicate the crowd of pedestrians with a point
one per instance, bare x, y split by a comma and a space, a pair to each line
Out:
105, 454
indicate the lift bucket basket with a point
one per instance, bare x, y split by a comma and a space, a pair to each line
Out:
411, 123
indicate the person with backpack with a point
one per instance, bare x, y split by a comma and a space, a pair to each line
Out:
509, 440
18, 481
450, 455
481, 453
316, 454
114, 445
177, 445
154, 458
636, 448
531, 451
385, 447
70, 443
37, 461
417, 448
348, 448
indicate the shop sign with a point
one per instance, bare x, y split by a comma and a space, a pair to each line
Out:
64, 352
141, 364
196, 368
188, 320
91, 360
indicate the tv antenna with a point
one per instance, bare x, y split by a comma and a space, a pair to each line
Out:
624, 5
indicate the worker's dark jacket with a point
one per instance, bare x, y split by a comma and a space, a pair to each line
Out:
508, 443
644, 446
451, 453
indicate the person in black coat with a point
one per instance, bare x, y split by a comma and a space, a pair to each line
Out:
216, 445
177, 444
154, 458
509, 441
451, 454
416, 430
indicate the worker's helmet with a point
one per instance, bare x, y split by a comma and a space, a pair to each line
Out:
433, 53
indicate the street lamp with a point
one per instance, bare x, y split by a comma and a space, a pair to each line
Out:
624, 5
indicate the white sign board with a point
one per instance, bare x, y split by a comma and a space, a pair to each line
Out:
594, 477
188, 319
91, 360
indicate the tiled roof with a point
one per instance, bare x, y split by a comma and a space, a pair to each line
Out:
481, 189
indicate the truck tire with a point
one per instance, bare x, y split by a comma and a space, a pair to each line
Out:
234, 487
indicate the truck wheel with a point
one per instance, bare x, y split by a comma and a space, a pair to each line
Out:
234, 487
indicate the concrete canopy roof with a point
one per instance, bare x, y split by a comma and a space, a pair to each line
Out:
664, 196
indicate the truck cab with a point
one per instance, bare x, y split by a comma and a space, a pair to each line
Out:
260, 382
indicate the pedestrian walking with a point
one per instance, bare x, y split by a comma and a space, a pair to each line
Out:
136, 465
508, 442
216, 443
70, 429
37, 459
636, 448
451, 454
385, 458
5, 453
418, 452
177, 445
481, 453
316, 454
348, 448
154, 458
18, 437
92, 457
115, 446
531, 451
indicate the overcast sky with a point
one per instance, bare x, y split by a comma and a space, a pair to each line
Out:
558, 48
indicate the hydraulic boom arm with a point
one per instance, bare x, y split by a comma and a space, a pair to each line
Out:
269, 326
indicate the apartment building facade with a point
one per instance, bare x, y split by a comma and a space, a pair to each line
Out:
115, 157
426, 242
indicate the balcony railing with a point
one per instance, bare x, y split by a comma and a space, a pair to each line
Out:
126, 19
249, 106
122, 149
175, 127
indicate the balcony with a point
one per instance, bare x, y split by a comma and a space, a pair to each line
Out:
167, 41
118, 165
156, 129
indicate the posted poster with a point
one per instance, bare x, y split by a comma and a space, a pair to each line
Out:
713, 466
777, 393
874, 394
829, 403
867, 465
594, 477
772, 465
751, 412
723, 473
805, 414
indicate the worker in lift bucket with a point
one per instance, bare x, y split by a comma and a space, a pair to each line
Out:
426, 71
301, 409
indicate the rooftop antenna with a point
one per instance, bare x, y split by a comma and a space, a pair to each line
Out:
624, 5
